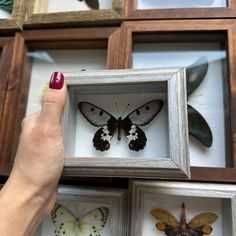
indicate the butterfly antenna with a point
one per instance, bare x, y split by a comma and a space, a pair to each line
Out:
125, 110
117, 109
183, 215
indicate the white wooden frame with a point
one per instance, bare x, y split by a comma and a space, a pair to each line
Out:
138, 188
117, 198
169, 80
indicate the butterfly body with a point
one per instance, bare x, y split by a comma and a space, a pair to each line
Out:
129, 126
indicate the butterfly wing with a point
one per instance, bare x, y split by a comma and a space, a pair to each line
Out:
6, 5
202, 219
102, 138
144, 114
195, 74
94, 4
198, 127
64, 221
165, 217
93, 222
96, 116
141, 116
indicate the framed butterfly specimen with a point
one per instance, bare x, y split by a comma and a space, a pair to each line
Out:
90, 224
209, 208
83, 211
130, 125
197, 226
160, 92
198, 126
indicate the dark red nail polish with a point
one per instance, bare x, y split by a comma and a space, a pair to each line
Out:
56, 80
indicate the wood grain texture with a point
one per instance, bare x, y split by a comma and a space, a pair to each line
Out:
147, 28
6, 48
10, 109
37, 18
132, 13
17, 17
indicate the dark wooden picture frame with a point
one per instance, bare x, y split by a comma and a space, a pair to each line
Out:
17, 17
131, 12
159, 30
35, 18
18, 80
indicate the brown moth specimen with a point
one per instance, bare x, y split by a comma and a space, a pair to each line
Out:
198, 226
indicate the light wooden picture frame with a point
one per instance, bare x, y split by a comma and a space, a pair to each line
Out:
15, 22
37, 15
79, 201
169, 196
136, 86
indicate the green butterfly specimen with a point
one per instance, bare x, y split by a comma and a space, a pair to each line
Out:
198, 226
6, 5
94, 4
198, 126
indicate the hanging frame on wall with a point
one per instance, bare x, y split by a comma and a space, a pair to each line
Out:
73, 13
23, 72
160, 43
161, 9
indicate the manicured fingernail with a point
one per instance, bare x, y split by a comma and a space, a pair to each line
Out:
56, 80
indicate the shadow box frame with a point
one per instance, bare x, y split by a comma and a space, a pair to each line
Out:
34, 19
17, 18
19, 74
132, 13
226, 192
169, 80
116, 198
162, 30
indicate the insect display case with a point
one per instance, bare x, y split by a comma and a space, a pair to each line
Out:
206, 49
151, 141
175, 9
87, 211
11, 15
56, 13
39, 53
177, 208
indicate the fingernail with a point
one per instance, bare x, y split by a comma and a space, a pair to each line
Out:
56, 80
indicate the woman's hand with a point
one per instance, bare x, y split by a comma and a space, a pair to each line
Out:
31, 190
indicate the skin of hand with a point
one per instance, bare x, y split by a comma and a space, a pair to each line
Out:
31, 190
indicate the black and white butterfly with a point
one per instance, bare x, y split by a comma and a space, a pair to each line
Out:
108, 124
67, 224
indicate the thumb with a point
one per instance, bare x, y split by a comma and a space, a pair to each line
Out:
54, 100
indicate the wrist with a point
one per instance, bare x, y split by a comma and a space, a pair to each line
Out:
19, 206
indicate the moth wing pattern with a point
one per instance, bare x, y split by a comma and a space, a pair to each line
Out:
94, 115
165, 217
198, 127
144, 114
64, 221
202, 219
195, 74
93, 222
